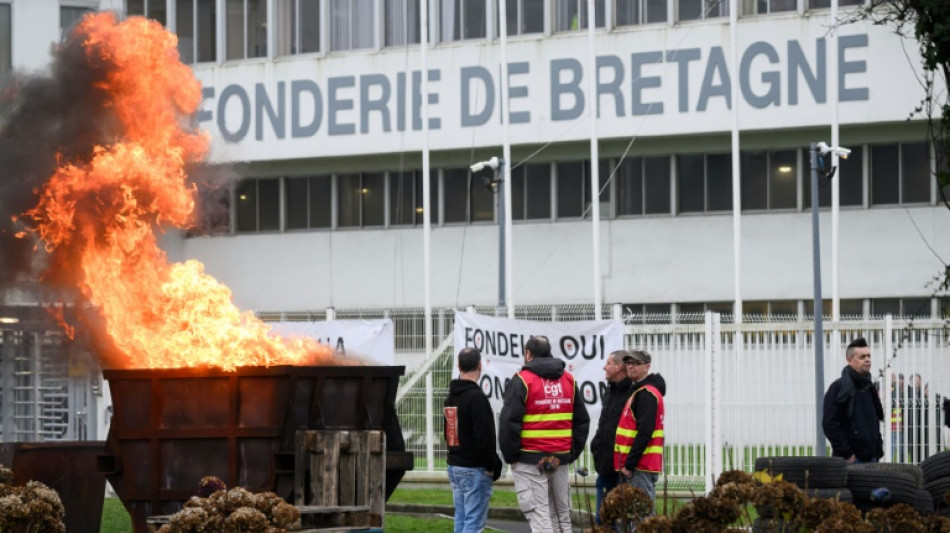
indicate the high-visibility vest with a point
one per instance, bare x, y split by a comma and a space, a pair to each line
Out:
548, 414
897, 418
652, 458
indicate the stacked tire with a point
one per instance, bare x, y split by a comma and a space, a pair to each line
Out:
885, 484
819, 477
936, 474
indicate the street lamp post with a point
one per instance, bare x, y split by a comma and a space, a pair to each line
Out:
496, 164
819, 338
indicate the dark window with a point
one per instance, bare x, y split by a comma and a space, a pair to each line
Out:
604, 188
246, 29
196, 35
153, 9
69, 16
571, 15
212, 209
886, 306
321, 202
755, 180
634, 12
755, 308
810, 307
481, 200
719, 182
851, 307
308, 201
297, 28
402, 22
531, 192
455, 187
915, 307
656, 182
915, 173
352, 24
348, 201
570, 189
6, 40
784, 308
258, 205
850, 177
463, 19
885, 174
524, 16
630, 186
825, 4
373, 197
702, 9
691, 187
402, 198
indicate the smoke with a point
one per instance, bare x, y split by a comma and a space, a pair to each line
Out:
45, 118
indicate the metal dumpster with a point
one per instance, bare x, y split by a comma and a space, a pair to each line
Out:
171, 427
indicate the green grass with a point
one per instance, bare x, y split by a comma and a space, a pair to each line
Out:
412, 524
115, 519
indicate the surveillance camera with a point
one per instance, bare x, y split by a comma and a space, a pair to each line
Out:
839, 151
477, 167
492, 163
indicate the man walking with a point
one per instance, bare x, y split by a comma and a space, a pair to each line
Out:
543, 428
602, 445
852, 409
638, 448
470, 436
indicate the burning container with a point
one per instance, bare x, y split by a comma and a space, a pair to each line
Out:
171, 427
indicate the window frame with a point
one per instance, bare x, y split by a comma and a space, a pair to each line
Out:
196, 41
6, 61
900, 174
288, 37
146, 10
353, 8
245, 31
546, 12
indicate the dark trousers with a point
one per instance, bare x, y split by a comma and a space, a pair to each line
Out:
604, 484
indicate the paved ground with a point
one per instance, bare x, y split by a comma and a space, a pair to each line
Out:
511, 526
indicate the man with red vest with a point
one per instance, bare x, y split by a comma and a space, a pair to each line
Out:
638, 448
542, 429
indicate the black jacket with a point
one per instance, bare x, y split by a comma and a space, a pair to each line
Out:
476, 428
644, 409
512, 412
602, 445
852, 417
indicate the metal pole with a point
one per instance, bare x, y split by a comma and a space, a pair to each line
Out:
504, 215
819, 338
426, 225
594, 156
500, 198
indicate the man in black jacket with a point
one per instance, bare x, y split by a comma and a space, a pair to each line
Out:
852, 409
470, 435
602, 445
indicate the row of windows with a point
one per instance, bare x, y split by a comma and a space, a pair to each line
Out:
314, 26
777, 180
6, 40
849, 308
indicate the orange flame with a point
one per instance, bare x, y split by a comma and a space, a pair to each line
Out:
97, 218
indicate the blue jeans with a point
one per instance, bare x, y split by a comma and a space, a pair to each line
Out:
471, 491
604, 484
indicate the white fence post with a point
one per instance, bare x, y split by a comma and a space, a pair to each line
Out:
886, 390
430, 433
712, 365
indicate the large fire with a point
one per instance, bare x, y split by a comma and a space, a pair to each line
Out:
97, 218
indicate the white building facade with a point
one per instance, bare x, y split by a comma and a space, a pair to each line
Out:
317, 106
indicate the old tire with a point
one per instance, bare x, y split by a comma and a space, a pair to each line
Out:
806, 472
923, 502
841, 494
864, 479
936, 466
915, 471
938, 489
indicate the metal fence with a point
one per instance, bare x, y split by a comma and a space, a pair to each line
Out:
737, 391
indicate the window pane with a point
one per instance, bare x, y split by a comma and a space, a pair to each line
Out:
157, 11
886, 306
256, 28
433, 198
691, 191
247, 206
719, 182
69, 16
754, 180
656, 10
340, 25
295, 199
599, 14
885, 187
630, 187
570, 189
482, 201
374, 199
690, 9
539, 191
532, 16
915, 173
363, 24
402, 22
782, 5
786, 308
451, 20
783, 178
656, 181
268, 204
206, 30
185, 24
851, 307
309, 26
604, 190
6, 39
919, 307
455, 181
820, 4
402, 204
851, 175
348, 205
566, 15
321, 198
235, 29
474, 19
518, 193
135, 7
628, 12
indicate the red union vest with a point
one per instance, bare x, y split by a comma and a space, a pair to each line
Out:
548, 413
652, 458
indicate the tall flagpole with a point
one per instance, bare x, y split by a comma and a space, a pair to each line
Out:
506, 154
426, 220
592, 102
